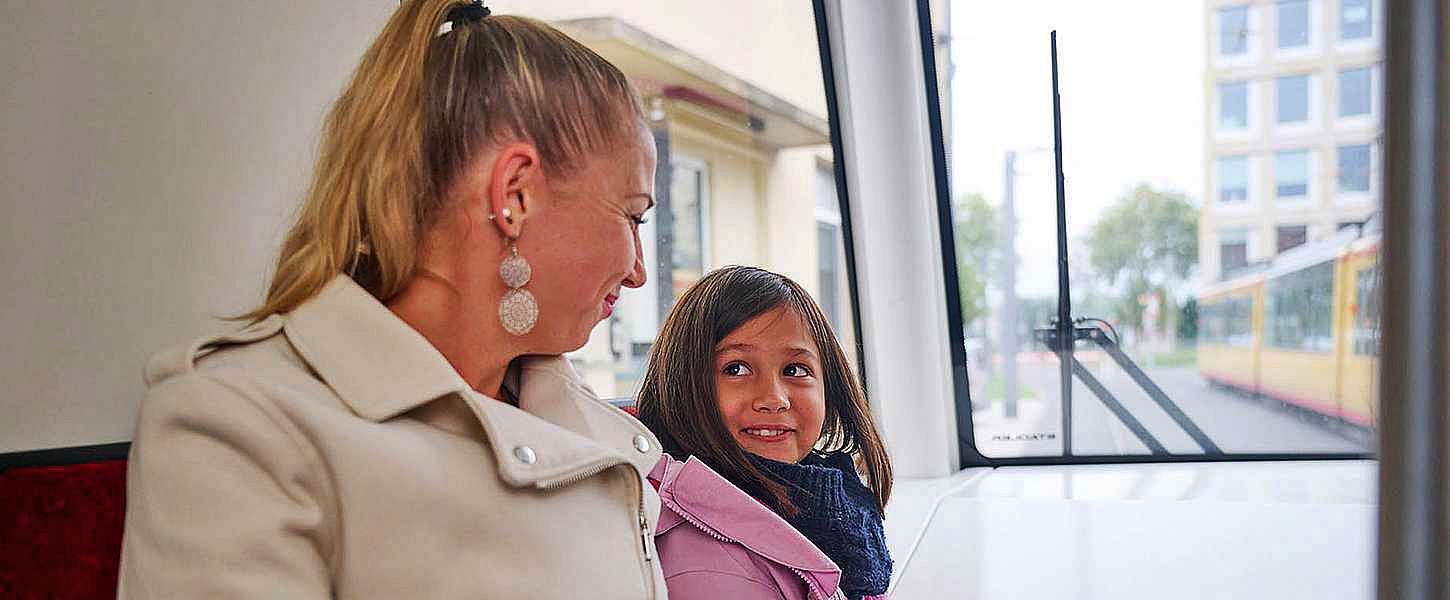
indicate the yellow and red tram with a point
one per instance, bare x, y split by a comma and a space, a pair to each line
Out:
1302, 330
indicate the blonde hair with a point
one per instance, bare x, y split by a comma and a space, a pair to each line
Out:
418, 108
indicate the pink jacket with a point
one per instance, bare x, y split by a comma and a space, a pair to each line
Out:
716, 541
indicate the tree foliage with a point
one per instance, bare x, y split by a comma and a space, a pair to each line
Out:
975, 225
1144, 242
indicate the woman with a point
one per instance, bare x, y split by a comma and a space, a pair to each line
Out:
747, 380
397, 420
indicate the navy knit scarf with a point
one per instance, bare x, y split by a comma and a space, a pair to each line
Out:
839, 515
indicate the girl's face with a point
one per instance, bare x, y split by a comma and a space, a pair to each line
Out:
769, 386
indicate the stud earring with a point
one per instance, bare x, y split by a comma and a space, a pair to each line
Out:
508, 216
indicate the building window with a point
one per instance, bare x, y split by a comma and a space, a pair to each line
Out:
1233, 250
1356, 20
1354, 92
1291, 175
1289, 236
1233, 30
1352, 169
830, 257
689, 184
1293, 19
1233, 105
1233, 179
1293, 98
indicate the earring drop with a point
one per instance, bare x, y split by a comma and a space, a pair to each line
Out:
518, 311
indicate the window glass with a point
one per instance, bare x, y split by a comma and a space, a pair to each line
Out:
1293, 17
1291, 174
1233, 179
1355, 19
1227, 321
1175, 220
1290, 236
1233, 30
739, 119
1353, 168
686, 236
1366, 310
1299, 309
1354, 92
1293, 98
1233, 105
1233, 249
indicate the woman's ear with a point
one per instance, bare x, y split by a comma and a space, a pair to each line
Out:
516, 174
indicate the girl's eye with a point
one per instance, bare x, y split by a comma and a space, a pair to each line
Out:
736, 369
797, 370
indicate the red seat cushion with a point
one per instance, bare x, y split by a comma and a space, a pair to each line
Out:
60, 530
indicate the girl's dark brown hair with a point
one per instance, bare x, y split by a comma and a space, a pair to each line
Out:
677, 399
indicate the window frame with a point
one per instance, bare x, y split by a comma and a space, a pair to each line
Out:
837, 18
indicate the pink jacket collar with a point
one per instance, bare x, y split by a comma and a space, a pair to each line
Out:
692, 491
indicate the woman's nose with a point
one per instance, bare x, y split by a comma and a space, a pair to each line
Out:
637, 275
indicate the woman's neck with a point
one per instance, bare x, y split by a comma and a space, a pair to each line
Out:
444, 315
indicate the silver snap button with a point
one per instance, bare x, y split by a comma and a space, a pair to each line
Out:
641, 443
525, 454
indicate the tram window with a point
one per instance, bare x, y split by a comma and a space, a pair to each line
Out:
1299, 311
1366, 311
738, 113
1206, 242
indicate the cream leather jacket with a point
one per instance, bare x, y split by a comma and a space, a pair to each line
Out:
333, 452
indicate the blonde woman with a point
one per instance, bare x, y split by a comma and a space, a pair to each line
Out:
396, 420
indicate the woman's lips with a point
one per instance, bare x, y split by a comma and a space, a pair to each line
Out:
609, 304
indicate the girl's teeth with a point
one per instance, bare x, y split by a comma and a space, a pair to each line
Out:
765, 432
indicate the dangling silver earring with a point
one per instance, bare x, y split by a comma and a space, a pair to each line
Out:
517, 310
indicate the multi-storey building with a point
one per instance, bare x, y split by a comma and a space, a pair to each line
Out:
1292, 143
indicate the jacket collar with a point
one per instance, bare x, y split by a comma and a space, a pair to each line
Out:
381, 368
696, 493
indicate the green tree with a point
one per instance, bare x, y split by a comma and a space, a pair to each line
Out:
975, 224
1144, 242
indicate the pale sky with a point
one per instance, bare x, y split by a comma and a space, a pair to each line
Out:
1131, 78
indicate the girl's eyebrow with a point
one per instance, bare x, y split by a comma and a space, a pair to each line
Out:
737, 347
743, 347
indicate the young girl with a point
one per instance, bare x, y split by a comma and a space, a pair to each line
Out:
747, 383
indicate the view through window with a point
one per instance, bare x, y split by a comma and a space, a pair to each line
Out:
1221, 162
738, 114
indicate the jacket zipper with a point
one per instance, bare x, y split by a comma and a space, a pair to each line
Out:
810, 583
600, 467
